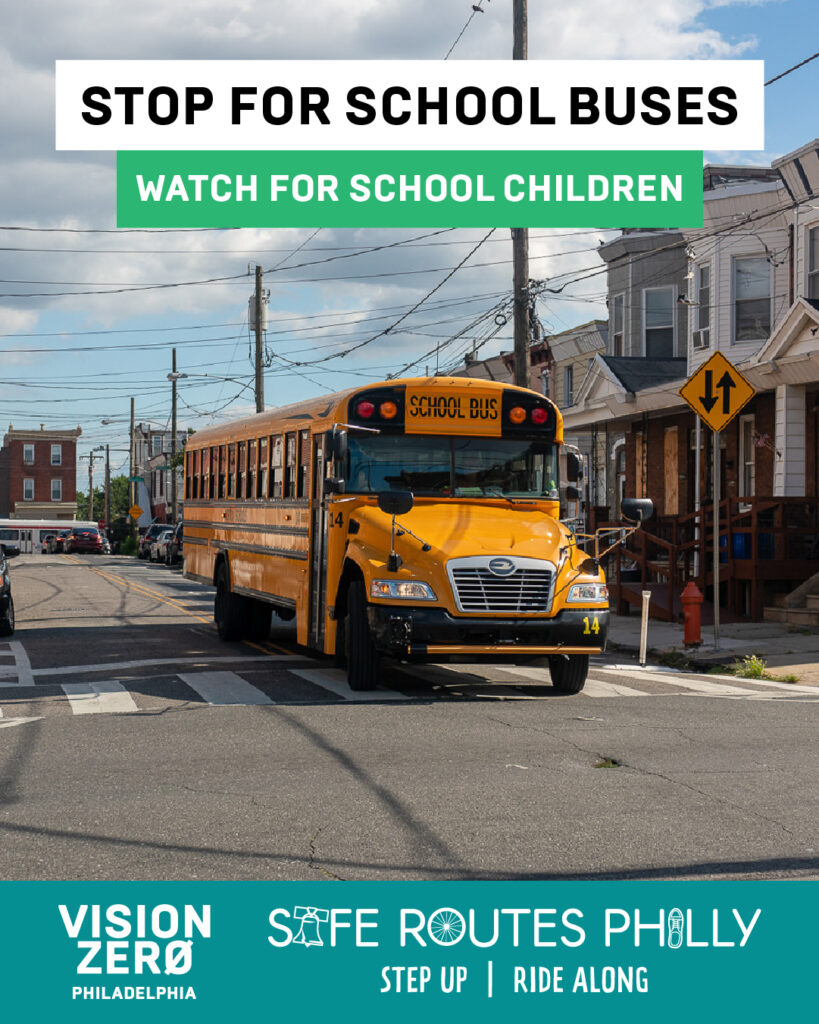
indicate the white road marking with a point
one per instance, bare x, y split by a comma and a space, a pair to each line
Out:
220, 688
593, 687
8, 723
698, 686
195, 660
335, 680
103, 698
598, 688
21, 667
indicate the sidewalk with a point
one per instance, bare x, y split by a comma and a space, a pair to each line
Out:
785, 649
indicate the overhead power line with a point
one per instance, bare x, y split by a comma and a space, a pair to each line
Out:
796, 67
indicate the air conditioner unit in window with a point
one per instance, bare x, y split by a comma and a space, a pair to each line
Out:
702, 339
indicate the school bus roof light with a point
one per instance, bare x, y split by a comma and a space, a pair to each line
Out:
517, 414
540, 415
388, 410
365, 410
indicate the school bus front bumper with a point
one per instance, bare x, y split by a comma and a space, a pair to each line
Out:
425, 632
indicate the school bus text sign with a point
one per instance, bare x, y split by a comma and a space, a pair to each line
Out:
717, 391
452, 411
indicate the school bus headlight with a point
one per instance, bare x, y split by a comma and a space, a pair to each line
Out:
588, 593
404, 590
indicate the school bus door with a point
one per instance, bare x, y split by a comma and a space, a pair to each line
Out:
318, 542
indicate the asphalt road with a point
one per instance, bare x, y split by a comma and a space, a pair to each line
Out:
134, 744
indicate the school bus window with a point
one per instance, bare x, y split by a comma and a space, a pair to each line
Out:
204, 490
291, 459
276, 466
216, 491
196, 478
193, 459
252, 456
240, 490
188, 468
261, 482
231, 471
304, 463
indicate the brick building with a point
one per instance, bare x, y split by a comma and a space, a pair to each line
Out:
38, 474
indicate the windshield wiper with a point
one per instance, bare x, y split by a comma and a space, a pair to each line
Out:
495, 493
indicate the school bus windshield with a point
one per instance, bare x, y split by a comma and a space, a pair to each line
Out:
459, 467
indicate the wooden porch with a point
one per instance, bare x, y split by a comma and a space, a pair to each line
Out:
767, 547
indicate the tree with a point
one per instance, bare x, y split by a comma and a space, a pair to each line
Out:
120, 500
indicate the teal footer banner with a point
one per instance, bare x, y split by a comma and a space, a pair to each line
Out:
601, 189
409, 951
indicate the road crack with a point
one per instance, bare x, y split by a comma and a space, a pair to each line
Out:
314, 866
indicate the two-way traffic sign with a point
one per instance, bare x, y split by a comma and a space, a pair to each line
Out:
717, 391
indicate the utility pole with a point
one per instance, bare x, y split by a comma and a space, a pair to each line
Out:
108, 486
131, 482
520, 236
173, 438
258, 302
91, 486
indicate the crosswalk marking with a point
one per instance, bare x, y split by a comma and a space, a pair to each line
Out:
72, 670
697, 685
220, 688
335, 680
21, 667
100, 698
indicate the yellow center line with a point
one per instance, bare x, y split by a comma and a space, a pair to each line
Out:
146, 592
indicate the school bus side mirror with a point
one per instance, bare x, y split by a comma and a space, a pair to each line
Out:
338, 444
334, 485
395, 503
637, 510
574, 469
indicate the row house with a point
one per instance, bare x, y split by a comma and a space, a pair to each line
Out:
745, 284
152, 456
38, 474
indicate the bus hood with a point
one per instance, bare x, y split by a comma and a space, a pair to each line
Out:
459, 530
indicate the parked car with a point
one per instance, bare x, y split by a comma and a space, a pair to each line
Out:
57, 543
6, 600
147, 539
84, 538
156, 552
46, 543
173, 549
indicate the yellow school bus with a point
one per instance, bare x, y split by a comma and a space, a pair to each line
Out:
414, 518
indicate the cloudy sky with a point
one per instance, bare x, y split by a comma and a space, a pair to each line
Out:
68, 357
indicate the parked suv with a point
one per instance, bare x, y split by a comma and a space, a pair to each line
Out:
84, 538
147, 539
173, 549
6, 601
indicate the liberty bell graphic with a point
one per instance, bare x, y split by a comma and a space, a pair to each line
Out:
310, 917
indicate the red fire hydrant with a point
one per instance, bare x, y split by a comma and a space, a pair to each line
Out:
691, 599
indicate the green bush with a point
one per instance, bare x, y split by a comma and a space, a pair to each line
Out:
128, 547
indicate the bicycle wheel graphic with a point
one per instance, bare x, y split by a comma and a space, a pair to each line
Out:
446, 926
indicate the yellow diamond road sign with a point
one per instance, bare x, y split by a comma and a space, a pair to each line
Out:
717, 391
135, 511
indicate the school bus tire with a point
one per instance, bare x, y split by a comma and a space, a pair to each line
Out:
362, 656
568, 672
259, 620
229, 609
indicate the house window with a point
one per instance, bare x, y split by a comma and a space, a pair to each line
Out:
658, 308
28, 490
56, 455
747, 468
702, 316
568, 386
752, 299
28, 454
618, 310
56, 490
813, 263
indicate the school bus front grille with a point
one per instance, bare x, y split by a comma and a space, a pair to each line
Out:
478, 589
